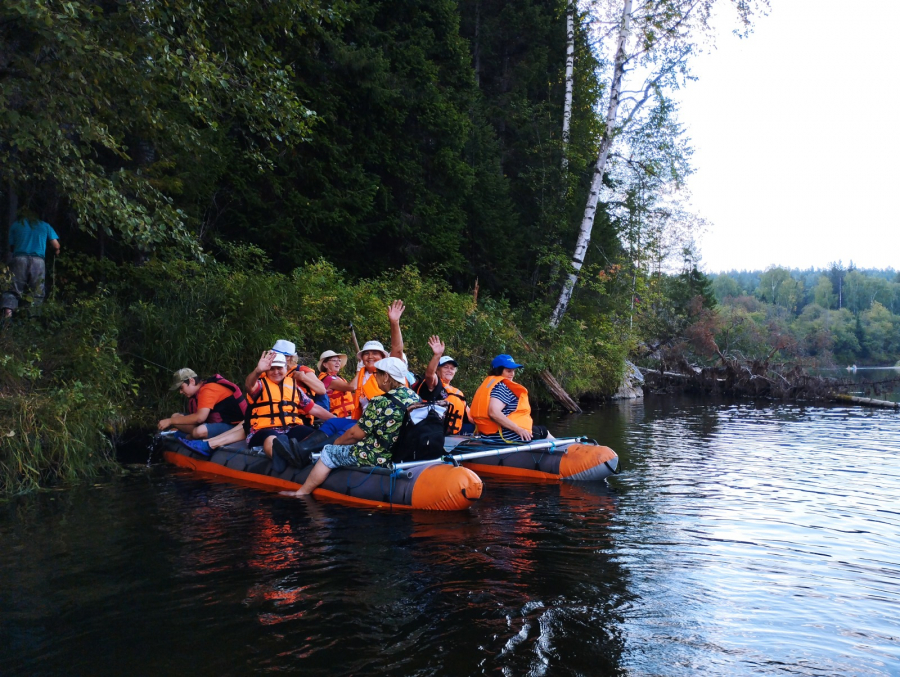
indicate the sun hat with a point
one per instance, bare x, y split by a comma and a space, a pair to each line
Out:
372, 345
329, 354
284, 347
446, 359
278, 361
505, 361
394, 367
181, 376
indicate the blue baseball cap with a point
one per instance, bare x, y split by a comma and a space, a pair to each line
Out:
505, 361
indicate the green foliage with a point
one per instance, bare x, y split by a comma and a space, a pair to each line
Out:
835, 316
122, 110
63, 391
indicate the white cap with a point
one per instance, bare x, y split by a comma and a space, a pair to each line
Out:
372, 345
394, 367
284, 347
278, 361
445, 359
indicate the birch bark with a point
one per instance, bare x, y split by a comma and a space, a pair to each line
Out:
570, 82
590, 210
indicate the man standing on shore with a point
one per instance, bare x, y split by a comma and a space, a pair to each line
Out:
28, 243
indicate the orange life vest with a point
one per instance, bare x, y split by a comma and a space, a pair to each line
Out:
481, 402
456, 412
340, 401
369, 389
276, 405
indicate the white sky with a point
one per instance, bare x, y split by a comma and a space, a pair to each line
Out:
797, 138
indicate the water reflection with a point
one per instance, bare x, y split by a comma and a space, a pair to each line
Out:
739, 538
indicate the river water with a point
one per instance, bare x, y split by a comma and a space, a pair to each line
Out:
739, 539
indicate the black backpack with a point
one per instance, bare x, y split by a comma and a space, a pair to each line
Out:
420, 441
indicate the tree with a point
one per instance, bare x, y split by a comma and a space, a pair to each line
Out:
823, 293
656, 38
121, 110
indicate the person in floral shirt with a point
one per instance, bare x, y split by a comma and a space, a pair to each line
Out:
369, 442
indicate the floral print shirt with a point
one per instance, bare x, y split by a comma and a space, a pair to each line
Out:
381, 422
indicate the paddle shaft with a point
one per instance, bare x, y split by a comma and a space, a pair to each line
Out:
492, 452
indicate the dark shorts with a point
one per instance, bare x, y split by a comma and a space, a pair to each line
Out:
297, 432
215, 429
539, 432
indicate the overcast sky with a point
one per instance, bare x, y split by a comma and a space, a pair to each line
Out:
797, 138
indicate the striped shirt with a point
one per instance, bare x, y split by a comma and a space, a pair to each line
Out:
503, 436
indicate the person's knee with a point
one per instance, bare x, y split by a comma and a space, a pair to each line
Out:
199, 433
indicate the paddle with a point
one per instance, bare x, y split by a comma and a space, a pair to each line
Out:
493, 452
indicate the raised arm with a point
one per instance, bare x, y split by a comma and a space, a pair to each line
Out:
395, 311
262, 366
437, 346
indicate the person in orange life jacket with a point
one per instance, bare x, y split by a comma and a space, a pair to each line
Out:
500, 407
364, 386
340, 393
369, 442
276, 405
301, 375
214, 407
371, 353
435, 385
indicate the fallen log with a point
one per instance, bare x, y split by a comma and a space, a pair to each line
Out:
865, 401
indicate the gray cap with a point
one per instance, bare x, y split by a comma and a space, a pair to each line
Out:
181, 376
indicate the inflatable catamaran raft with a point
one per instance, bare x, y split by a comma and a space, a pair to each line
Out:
429, 484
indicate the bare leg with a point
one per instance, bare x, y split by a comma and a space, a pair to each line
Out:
200, 432
267, 445
318, 475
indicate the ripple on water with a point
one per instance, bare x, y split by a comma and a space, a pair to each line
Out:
739, 539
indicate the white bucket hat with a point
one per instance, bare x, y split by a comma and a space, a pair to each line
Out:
394, 367
284, 347
372, 345
328, 354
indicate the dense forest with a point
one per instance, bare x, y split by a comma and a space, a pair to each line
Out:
837, 315
224, 174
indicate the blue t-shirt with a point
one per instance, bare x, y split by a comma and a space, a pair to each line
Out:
29, 238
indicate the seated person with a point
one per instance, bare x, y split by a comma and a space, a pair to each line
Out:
276, 406
302, 375
435, 386
340, 393
214, 406
500, 407
369, 442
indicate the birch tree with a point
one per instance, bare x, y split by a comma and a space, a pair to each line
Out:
654, 40
570, 82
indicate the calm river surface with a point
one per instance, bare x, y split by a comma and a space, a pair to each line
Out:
739, 539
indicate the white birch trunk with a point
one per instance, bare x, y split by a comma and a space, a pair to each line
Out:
570, 82
590, 209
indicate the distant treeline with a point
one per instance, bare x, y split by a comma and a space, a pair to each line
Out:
832, 315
